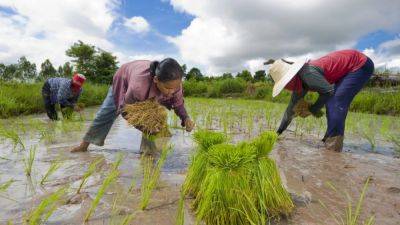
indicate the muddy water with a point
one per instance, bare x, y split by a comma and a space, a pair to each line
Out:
305, 167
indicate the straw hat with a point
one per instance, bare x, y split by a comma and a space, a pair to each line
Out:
282, 72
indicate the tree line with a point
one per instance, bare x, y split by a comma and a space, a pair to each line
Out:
98, 66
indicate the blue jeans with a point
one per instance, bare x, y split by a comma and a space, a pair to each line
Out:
345, 91
103, 121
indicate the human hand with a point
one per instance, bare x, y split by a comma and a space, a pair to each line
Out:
189, 125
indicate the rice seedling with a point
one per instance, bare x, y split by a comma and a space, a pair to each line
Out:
13, 136
351, 213
370, 135
46, 208
396, 143
28, 161
180, 217
111, 178
132, 185
197, 169
89, 172
54, 166
4, 186
151, 176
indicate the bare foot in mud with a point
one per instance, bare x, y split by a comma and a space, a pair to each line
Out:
83, 147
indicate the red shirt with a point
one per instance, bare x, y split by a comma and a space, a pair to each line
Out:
337, 64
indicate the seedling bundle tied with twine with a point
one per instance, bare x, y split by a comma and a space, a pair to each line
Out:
149, 117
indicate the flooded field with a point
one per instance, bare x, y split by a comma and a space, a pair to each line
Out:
309, 172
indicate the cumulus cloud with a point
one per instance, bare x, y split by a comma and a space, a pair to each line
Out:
46, 28
232, 35
137, 24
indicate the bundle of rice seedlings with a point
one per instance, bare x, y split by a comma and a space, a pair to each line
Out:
197, 169
264, 143
148, 116
302, 108
228, 175
272, 197
54, 166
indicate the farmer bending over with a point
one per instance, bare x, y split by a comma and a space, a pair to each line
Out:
337, 77
134, 82
62, 91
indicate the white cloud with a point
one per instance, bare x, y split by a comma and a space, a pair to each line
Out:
45, 28
386, 55
227, 35
137, 24
124, 58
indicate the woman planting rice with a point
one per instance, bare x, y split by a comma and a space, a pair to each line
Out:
138, 81
63, 91
337, 77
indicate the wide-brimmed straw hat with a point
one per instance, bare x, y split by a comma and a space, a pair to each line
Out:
282, 72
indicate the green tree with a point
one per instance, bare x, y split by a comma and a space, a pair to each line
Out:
25, 71
245, 75
194, 73
9, 72
2, 70
47, 70
260, 76
105, 65
227, 76
84, 58
97, 65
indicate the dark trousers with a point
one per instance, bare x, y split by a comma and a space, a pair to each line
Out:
345, 91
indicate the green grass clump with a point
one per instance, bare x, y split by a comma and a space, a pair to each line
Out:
13, 136
236, 184
196, 173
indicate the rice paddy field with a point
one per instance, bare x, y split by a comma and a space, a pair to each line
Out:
135, 180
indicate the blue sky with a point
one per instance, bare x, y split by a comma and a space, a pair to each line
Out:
163, 19
219, 36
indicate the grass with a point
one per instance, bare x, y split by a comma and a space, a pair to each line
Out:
54, 166
351, 213
89, 172
46, 208
151, 176
180, 216
28, 161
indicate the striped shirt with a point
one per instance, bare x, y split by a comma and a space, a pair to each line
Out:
61, 92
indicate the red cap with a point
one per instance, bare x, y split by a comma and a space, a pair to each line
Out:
78, 80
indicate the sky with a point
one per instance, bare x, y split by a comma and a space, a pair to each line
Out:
215, 36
